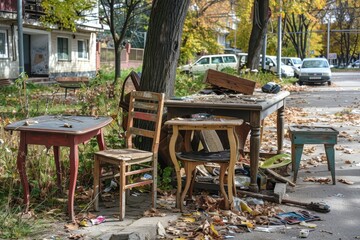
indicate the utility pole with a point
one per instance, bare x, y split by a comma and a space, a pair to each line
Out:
328, 39
20, 36
279, 43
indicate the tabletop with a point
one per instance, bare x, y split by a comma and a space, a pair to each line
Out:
66, 124
257, 101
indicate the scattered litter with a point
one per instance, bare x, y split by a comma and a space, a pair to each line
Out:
113, 185
271, 229
98, 220
30, 122
309, 225
339, 195
67, 125
325, 231
84, 223
304, 233
254, 201
146, 177
342, 180
160, 229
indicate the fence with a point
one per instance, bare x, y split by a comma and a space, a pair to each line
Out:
135, 58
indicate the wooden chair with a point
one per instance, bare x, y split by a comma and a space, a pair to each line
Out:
145, 109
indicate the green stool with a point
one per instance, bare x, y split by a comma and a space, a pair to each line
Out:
300, 135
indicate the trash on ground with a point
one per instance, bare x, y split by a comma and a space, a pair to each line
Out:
306, 224
98, 220
304, 233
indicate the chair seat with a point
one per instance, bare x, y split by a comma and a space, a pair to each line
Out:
220, 156
124, 154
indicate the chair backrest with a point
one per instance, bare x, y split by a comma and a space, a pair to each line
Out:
144, 117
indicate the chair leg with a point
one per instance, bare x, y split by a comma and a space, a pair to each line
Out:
122, 191
154, 183
96, 183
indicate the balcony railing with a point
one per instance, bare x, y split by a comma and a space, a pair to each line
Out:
31, 8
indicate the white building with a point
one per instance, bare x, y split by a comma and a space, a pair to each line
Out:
47, 53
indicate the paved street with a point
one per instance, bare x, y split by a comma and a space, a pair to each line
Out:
325, 105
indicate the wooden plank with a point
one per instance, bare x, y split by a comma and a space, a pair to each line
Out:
231, 82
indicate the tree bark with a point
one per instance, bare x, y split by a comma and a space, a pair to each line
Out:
163, 45
261, 15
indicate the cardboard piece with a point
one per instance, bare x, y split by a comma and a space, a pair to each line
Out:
231, 82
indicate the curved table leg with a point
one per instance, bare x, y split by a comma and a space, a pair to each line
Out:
74, 165
21, 162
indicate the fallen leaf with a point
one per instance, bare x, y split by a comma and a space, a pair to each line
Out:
342, 180
71, 226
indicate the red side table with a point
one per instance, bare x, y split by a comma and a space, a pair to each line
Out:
56, 131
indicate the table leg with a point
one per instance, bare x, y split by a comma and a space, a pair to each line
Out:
21, 162
58, 167
254, 151
280, 129
74, 165
172, 150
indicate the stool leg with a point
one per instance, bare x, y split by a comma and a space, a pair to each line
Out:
330, 155
296, 153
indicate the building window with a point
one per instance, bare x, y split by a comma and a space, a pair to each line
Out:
3, 44
83, 49
63, 48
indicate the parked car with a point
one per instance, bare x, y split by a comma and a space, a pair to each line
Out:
356, 64
271, 65
294, 62
215, 62
315, 70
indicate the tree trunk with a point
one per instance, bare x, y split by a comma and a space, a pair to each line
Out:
163, 45
261, 15
117, 52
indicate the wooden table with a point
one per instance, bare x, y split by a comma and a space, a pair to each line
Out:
198, 125
56, 131
251, 108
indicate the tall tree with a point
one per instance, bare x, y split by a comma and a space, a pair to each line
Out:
346, 37
163, 45
66, 14
261, 15
203, 21
120, 15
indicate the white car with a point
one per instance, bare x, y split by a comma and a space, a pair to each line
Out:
215, 62
271, 65
315, 70
294, 62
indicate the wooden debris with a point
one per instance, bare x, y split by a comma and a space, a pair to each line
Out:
231, 82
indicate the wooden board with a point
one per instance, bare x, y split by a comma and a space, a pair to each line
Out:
231, 82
